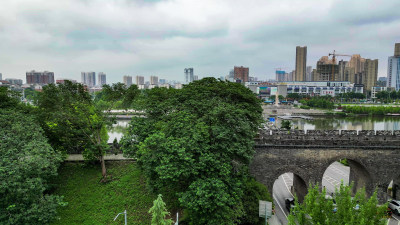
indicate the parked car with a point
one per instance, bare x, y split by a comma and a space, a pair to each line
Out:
289, 203
394, 205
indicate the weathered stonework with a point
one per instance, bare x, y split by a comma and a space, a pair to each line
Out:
374, 157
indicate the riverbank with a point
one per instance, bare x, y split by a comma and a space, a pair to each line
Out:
285, 110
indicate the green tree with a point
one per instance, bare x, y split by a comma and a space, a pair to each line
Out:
286, 124
8, 98
72, 122
159, 212
27, 163
118, 95
357, 210
198, 142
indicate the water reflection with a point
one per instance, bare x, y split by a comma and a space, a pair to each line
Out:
117, 130
349, 123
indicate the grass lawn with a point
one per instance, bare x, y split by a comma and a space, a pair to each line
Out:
92, 202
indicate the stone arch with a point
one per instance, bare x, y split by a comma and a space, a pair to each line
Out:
300, 183
395, 191
359, 175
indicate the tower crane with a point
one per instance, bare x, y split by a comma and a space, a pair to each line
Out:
334, 63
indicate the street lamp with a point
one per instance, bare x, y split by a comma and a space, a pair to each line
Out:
126, 219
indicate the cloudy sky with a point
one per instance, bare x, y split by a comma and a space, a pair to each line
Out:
150, 37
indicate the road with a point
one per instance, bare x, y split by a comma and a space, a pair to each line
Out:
333, 176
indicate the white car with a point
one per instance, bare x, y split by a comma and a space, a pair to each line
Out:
394, 205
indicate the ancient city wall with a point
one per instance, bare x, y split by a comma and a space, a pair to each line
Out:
330, 138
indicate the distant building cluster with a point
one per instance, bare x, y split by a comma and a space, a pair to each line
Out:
329, 77
35, 77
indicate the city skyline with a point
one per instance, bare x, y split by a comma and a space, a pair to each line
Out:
68, 37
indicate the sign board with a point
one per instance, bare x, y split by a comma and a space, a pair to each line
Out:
264, 208
271, 119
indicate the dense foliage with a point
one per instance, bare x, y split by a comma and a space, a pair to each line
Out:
323, 102
72, 122
116, 96
318, 209
27, 162
197, 142
8, 98
350, 96
371, 110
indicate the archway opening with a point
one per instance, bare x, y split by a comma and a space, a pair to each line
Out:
393, 190
347, 171
285, 188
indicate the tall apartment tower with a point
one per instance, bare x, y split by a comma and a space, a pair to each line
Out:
301, 62
35, 77
393, 76
280, 75
397, 49
370, 74
308, 73
139, 80
241, 73
101, 77
88, 78
1, 76
127, 80
189, 77
153, 80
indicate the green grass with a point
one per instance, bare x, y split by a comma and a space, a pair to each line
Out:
92, 202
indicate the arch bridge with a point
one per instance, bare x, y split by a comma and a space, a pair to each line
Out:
373, 156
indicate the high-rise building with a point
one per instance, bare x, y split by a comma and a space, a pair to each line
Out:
1, 76
127, 80
35, 77
280, 75
189, 76
370, 74
397, 50
308, 73
195, 77
393, 77
14, 81
357, 62
88, 78
326, 69
101, 77
241, 73
301, 62
153, 80
162, 81
139, 80
342, 70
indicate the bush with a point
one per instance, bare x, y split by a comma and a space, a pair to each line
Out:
305, 107
286, 124
254, 191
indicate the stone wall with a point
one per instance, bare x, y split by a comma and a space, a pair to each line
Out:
374, 157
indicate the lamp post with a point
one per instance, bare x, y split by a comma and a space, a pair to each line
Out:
126, 219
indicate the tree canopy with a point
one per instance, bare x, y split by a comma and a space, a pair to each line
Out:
72, 122
198, 142
27, 163
317, 208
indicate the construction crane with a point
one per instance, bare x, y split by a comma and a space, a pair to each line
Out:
332, 78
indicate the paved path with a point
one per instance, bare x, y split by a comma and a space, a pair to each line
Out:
79, 157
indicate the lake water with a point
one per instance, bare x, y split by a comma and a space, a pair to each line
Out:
118, 130
318, 123
348, 123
